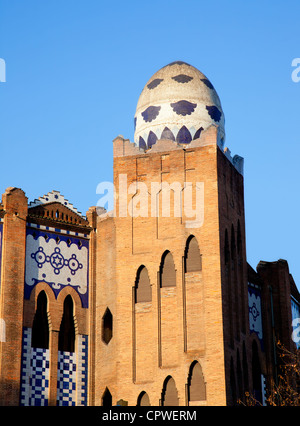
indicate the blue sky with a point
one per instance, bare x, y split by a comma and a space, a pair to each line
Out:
75, 70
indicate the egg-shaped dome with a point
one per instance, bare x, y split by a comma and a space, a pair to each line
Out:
177, 103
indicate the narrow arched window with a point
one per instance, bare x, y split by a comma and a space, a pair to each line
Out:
107, 326
192, 256
106, 398
196, 384
167, 271
169, 396
143, 399
143, 291
40, 327
66, 338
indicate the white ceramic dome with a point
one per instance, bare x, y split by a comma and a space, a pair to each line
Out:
177, 103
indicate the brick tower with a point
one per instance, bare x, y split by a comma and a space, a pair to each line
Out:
170, 257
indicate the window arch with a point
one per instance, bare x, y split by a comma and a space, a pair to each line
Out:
107, 326
143, 291
40, 326
196, 384
143, 399
167, 271
169, 395
106, 398
66, 338
192, 256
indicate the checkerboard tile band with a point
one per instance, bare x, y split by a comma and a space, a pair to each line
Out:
82, 370
34, 373
66, 379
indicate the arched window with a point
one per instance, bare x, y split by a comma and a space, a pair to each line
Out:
192, 255
66, 338
107, 326
143, 291
143, 399
167, 271
196, 384
169, 395
106, 398
40, 327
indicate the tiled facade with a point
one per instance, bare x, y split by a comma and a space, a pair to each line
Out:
34, 373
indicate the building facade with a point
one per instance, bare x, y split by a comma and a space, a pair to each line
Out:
152, 303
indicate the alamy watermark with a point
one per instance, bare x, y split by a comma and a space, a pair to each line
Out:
155, 199
296, 71
2, 71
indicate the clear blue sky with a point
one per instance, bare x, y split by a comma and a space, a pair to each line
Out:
75, 70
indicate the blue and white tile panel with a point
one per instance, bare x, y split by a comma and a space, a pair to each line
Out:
66, 379
58, 260
72, 372
82, 371
255, 312
295, 321
34, 373
61, 231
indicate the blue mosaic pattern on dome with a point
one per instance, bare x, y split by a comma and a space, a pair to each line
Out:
184, 136
214, 112
154, 83
183, 107
142, 143
198, 133
151, 113
207, 83
152, 139
182, 78
167, 134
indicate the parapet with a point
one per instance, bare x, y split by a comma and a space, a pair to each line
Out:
123, 147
